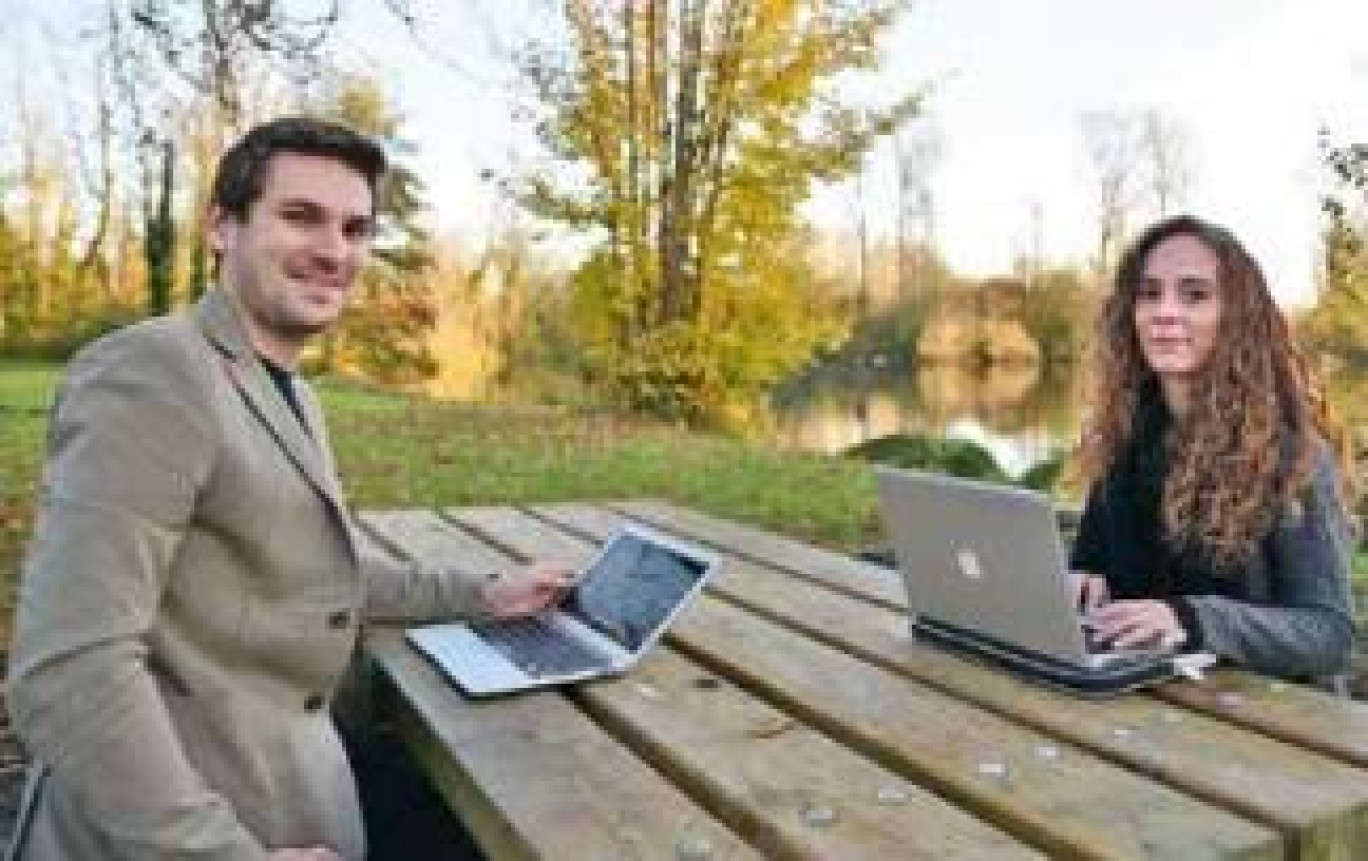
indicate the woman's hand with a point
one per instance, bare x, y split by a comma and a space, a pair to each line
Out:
528, 590
1137, 623
1090, 591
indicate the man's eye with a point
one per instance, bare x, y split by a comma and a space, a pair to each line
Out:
360, 230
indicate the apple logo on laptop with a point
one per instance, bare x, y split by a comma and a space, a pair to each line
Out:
969, 563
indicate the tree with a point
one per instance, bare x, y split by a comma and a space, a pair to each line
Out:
1340, 319
688, 132
174, 83
384, 334
1112, 141
917, 154
212, 46
13, 273
1056, 309
106, 219
1166, 147
1142, 162
160, 242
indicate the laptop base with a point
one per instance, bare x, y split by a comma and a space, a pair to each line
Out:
1102, 680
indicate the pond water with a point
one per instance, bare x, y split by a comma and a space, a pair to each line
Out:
1021, 413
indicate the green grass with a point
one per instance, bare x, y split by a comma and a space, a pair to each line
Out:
25, 392
418, 454
26, 386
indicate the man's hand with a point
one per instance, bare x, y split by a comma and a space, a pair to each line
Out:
311, 853
1144, 623
528, 590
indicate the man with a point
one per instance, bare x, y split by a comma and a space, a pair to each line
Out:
195, 584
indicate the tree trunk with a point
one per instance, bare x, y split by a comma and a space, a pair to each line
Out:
161, 240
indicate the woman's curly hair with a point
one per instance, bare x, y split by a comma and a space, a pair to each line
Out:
1247, 447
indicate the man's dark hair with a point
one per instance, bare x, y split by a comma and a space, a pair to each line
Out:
242, 169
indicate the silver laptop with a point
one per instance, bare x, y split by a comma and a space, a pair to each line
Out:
986, 561
621, 604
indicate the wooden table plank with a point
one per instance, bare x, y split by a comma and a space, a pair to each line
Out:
514, 530
760, 772
533, 776
1058, 797
425, 535
791, 790
1336, 727
1315, 801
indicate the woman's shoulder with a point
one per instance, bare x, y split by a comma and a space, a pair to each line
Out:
1325, 469
1322, 494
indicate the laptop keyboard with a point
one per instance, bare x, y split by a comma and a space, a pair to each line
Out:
539, 649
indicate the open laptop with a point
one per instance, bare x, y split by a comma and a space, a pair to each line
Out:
621, 604
986, 573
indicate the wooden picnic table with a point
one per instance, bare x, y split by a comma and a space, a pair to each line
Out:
789, 714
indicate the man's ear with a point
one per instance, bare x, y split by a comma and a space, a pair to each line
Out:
218, 223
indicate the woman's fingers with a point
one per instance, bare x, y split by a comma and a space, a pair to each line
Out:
1126, 624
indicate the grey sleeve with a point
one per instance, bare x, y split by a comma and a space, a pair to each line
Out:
1305, 628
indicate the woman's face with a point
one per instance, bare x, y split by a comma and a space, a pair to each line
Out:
1178, 308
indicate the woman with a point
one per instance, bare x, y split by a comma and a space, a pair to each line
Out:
1215, 519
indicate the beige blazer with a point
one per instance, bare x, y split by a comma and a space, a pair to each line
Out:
189, 602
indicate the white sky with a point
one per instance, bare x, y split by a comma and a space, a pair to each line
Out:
1252, 80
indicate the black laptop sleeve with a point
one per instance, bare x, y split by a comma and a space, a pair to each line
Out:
1125, 674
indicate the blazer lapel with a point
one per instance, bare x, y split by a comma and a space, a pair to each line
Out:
219, 319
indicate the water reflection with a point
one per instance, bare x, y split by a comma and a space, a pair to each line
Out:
1022, 412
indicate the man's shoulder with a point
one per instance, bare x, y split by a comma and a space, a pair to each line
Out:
176, 331
168, 347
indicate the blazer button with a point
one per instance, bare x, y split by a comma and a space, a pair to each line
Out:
339, 620
313, 703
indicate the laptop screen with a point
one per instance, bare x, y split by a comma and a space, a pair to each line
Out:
633, 589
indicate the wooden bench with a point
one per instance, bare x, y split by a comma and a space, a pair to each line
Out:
788, 714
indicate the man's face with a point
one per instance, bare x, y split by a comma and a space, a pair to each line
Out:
293, 260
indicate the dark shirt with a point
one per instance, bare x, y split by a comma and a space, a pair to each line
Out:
1121, 538
284, 383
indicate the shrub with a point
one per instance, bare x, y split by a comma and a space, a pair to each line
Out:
917, 451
